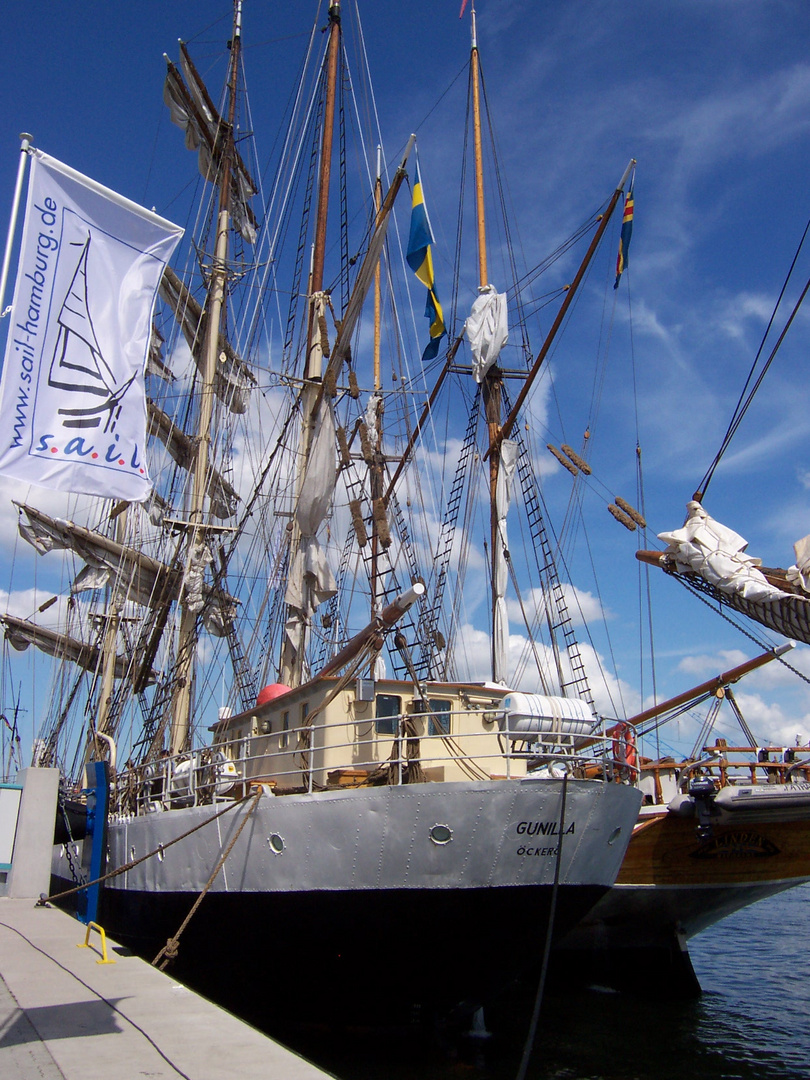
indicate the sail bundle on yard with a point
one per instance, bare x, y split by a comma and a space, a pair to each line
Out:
20, 633
487, 329
712, 557
233, 379
135, 575
191, 109
223, 498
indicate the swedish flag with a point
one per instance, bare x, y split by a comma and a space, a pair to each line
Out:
627, 232
420, 261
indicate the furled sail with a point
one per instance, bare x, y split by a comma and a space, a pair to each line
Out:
717, 553
233, 380
712, 557
311, 581
191, 109
20, 633
155, 364
136, 575
486, 329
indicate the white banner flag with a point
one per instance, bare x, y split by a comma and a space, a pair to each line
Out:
72, 397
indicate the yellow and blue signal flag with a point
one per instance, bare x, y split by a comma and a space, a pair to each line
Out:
624, 240
420, 261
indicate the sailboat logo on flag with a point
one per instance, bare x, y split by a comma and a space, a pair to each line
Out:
78, 367
72, 398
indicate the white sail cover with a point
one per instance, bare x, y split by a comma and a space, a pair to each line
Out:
190, 109
799, 574
717, 554
503, 499
72, 400
486, 329
311, 581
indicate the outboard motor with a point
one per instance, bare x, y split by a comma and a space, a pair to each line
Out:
703, 791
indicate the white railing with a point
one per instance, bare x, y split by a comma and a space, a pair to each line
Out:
318, 756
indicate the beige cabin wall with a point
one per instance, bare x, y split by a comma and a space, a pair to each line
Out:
342, 743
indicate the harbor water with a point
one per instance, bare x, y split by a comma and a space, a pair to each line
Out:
749, 1024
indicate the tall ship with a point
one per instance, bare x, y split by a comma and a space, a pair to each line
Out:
276, 762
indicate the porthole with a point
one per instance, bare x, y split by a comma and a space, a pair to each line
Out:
441, 834
276, 843
614, 836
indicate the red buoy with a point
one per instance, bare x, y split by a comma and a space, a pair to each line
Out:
271, 692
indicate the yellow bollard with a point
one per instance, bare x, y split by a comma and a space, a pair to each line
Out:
94, 926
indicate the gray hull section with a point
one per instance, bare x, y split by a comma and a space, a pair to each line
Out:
425, 836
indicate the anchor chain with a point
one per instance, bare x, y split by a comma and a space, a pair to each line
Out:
62, 803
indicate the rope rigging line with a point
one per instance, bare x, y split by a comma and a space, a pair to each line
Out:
151, 854
541, 983
744, 401
761, 643
172, 947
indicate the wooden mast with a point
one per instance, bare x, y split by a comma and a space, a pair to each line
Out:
376, 467
493, 382
292, 660
215, 304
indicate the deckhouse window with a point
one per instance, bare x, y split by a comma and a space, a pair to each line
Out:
284, 737
439, 719
386, 710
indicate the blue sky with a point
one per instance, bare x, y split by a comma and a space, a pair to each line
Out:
713, 100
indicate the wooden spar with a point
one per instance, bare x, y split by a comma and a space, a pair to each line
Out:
475, 75
387, 618
708, 687
187, 638
326, 148
492, 389
509, 423
377, 278
292, 660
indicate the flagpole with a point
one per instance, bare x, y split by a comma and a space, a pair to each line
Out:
25, 143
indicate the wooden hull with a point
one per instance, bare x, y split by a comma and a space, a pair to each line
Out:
673, 884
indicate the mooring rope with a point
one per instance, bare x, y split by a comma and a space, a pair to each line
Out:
172, 946
135, 862
552, 911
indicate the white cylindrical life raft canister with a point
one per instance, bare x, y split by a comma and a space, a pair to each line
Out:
528, 717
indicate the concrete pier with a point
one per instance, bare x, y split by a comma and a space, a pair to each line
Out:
65, 1016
